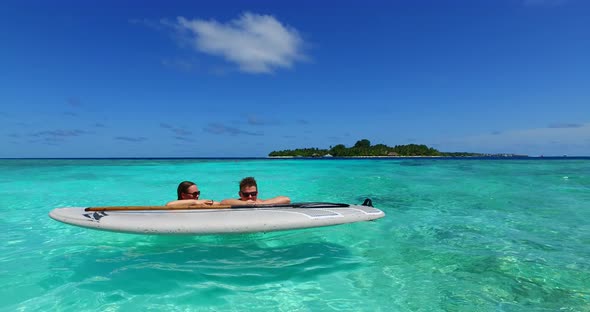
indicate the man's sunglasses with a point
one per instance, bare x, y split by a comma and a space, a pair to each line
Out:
248, 194
195, 194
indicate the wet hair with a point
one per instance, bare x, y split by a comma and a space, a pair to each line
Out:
247, 182
182, 187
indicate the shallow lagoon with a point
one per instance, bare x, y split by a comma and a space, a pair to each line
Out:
459, 235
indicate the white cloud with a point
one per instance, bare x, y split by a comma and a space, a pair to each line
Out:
256, 43
217, 128
565, 125
544, 2
179, 64
257, 121
567, 139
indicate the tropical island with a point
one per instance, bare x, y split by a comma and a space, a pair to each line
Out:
363, 148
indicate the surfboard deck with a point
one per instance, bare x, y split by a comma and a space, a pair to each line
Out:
215, 221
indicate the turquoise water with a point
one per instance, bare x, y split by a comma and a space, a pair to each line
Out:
459, 235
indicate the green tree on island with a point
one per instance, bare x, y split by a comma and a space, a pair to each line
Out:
363, 148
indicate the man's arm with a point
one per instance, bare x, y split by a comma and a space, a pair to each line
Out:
279, 200
236, 202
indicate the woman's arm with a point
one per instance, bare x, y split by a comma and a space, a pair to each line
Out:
192, 202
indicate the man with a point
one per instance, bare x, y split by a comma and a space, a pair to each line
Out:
249, 195
188, 193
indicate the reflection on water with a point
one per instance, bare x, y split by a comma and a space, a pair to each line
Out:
211, 265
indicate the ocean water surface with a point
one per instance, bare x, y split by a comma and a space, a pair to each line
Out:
459, 235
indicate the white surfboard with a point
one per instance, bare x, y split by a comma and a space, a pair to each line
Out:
229, 219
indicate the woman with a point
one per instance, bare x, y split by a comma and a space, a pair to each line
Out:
188, 193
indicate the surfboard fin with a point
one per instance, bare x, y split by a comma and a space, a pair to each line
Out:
368, 202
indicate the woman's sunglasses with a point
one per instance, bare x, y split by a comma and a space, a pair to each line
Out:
195, 194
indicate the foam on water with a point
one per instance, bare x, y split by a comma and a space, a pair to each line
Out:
459, 235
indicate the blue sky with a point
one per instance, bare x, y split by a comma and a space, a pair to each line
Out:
244, 78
